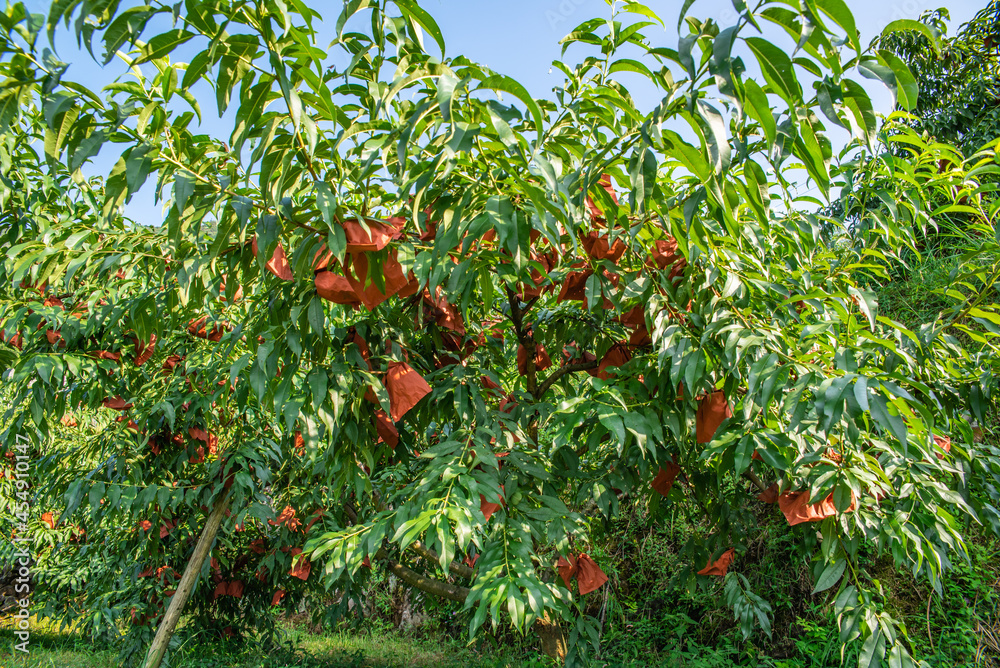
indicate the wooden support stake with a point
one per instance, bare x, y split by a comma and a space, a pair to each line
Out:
184, 588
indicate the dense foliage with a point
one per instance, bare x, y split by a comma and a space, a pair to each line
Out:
390, 312
959, 94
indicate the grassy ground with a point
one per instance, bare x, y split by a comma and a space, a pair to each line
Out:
388, 649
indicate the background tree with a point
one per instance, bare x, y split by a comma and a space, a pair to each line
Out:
958, 80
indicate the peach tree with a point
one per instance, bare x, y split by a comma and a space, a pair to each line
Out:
400, 313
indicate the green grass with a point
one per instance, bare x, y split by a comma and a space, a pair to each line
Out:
915, 299
50, 649
381, 649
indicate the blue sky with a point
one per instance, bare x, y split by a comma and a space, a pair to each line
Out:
520, 38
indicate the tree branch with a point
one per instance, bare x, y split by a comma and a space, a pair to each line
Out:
562, 371
515, 317
752, 477
527, 339
456, 567
421, 582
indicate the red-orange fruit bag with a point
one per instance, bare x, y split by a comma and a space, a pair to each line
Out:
542, 361
595, 213
566, 568
356, 271
598, 247
301, 567
116, 403
385, 429
144, 349
487, 507
712, 410
664, 480
721, 565
444, 314
769, 495
197, 328
574, 287
278, 264
336, 289
376, 238
589, 575
406, 388
616, 356
943, 442
797, 509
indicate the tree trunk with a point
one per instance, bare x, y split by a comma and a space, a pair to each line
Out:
188, 580
551, 637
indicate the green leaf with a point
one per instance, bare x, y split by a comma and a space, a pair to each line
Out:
45, 368
870, 68
317, 385
907, 88
137, 167
162, 45
843, 497
777, 69
327, 204
642, 176
294, 108
861, 392
317, 315
126, 27
196, 68
417, 14
718, 141
861, 115
902, 25
87, 149
873, 650
899, 657
10, 108
842, 16
74, 494
892, 423
757, 106
183, 187
96, 494
629, 65
743, 455
55, 138
637, 8
866, 302
499, 82
683, 13
613, 423
830, 576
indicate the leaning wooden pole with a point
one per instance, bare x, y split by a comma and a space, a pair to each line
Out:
186, 585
